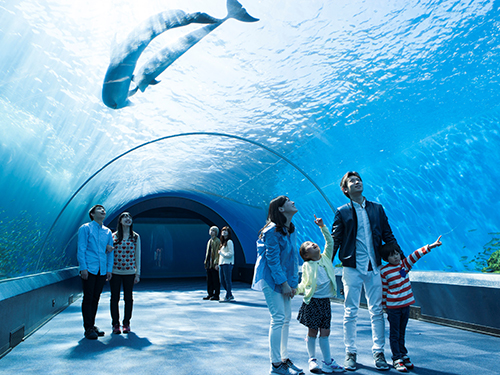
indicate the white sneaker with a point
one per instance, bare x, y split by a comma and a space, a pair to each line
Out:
313, 366
329, 368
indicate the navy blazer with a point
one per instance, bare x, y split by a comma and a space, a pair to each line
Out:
345, 228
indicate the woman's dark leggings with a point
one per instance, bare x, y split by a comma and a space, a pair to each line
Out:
115, 285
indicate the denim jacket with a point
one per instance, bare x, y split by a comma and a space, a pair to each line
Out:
277, 259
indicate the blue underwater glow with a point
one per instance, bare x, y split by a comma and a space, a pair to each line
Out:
406, 93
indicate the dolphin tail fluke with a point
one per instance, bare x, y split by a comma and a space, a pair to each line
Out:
235, 10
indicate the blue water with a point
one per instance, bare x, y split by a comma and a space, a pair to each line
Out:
406, 94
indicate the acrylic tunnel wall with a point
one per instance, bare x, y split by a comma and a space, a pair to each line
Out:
228, 115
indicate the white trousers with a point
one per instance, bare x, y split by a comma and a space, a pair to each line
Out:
353, 282
280, 308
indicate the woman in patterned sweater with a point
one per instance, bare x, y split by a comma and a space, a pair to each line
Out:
397, 297
126, 270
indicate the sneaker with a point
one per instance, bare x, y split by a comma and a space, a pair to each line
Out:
399, 365
407, 362
282, 369
214, 298
350, 361
329, 368
231, 298
380, 362
116, 329
224, 300
91, 334
98, 331
207, 297
313, 366
291, 366
126, 328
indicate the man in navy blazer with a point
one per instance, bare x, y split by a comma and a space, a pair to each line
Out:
359, 230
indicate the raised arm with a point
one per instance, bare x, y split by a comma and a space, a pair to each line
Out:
411, 259
436, 243
328, 250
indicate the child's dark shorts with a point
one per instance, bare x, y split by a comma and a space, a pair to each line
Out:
318, 314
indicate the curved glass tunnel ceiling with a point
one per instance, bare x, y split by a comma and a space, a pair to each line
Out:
407, 94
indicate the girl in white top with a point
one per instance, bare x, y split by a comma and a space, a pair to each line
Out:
226, 263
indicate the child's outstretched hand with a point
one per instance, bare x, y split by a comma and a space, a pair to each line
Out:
435, 244
318, 222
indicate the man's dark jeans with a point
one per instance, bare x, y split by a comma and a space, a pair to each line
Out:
92, 289
213, 283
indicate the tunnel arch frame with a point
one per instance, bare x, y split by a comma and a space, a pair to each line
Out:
172, 136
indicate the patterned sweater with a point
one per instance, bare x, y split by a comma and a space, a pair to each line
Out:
127, 257
396, 287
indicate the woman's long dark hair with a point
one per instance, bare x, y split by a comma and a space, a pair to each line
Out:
275, 216
119, 229
223, 240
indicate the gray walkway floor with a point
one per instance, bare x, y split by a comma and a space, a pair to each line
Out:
174, 331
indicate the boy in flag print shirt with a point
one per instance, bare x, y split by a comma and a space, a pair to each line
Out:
397, 297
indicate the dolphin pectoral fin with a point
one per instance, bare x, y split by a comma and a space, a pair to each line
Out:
235, 10
154, 82
133, 91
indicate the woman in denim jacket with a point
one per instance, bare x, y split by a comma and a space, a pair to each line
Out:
276, 275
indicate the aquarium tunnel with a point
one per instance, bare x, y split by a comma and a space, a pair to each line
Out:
188, 124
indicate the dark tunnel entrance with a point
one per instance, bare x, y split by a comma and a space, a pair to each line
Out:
174, 233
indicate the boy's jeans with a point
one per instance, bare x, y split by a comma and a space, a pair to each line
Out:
398, 319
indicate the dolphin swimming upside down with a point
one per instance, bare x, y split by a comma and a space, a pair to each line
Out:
116, 86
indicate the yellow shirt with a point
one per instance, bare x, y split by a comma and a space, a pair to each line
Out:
307, 285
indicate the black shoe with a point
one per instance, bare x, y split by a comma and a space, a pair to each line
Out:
98, 331
91, 334
214, 298
207, 297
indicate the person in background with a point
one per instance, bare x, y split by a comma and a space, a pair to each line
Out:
397, 297
276, 274
318, 286
212, 265
226, 262
95, 260
359, 228
126, 270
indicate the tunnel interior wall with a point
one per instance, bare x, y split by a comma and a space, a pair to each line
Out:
404, 93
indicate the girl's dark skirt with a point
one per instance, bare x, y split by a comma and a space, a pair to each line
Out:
318, 314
